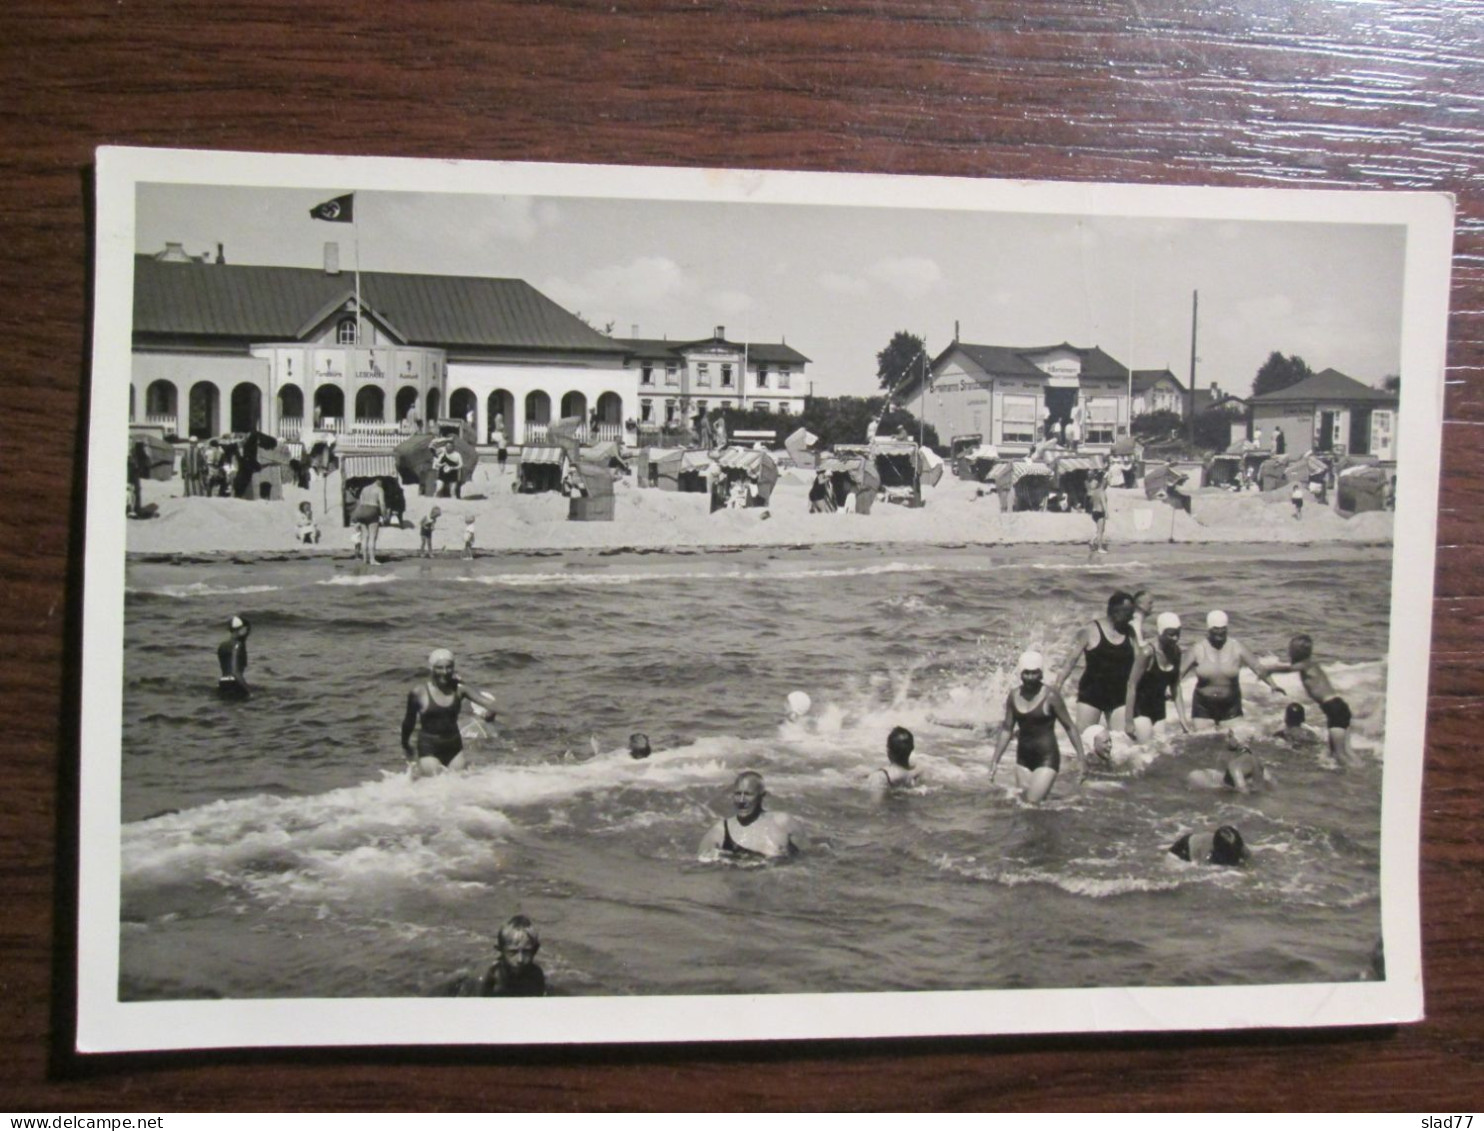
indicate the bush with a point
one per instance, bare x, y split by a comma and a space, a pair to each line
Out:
1158, 425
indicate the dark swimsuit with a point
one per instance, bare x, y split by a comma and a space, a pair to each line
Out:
1104, 683
229, 686
1181, 848
1036, 735
438, 736
1155, 686
1336, 713
1216, 705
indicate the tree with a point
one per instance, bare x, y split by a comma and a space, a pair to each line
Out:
903, 356
1158, 425
1279, 372
1392, 383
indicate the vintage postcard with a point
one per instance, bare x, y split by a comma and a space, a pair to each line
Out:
658, 604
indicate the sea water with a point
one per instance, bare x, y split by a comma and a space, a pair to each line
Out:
276, 848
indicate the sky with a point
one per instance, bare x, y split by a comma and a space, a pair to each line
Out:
836, 282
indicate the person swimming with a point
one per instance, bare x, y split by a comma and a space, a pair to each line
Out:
514, 973
753, 833
1316, 682
1225, 847
1295, 732
1242, 772
898, 772
433, 709
1031, 713
231, 655
639, 746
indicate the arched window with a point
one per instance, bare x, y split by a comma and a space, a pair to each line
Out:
406, 403
538, 408
290, 402
159, 399
575, 404
347, 332
370, 405
462, 404
499, 409
205, 408
435, 406
329, 406
247, 408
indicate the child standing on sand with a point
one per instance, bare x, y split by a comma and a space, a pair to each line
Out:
306, 531
1296, 497
425, 529
468, 536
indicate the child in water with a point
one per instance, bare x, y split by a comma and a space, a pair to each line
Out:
515, 972
1241, 772
1295, 733
898, 772
638, 746
469, 536
1316, 683
425, 530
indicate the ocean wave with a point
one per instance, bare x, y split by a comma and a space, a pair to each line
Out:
770, 576
197, 589
361, 579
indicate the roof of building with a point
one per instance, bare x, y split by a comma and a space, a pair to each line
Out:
263, 303
1326, 385
663, 349
1147, 378
1014, 361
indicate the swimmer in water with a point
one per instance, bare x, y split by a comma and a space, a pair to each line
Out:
752, 832
1108, 649
1224, 846
515, 972
1154, 681
1241, 772
1033, 710
1316, 683
231, 654
898, 772
1217, 662
638, 746
1295, 732
433, 709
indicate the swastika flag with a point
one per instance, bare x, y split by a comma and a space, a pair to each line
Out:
341, 210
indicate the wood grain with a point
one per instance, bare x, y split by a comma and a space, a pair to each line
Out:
1262, 92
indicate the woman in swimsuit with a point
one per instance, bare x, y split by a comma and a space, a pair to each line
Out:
1106, 646
433, 708
751, 833
1033, 710
1217, 662
1154, 680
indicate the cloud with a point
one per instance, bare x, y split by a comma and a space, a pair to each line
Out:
730, 303
841, 284
910, 276
647, 284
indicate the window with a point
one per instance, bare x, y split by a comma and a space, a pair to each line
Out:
1101, 420
345, 332
669, 412
646, 375
1018, 420
783, 376
703, 373
726, 376
782, 408
646, 410
762, 376
672, 374
726, 404
761, 406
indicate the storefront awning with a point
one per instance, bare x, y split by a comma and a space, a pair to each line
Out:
368, 467
531, 454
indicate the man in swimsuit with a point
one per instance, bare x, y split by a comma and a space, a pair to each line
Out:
1154, 680
1097, 506
231, 654
1107, 644
898, 772
1316, 683
1033, 710
366, 515
752, 832
433, 708
1217, 662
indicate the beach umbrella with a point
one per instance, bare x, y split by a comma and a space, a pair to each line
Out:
564, 435
1162, 482
414, 457
155, 457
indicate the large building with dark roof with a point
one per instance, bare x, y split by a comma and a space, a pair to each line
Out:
1329, 412
677, 379
1007, 394
226, 347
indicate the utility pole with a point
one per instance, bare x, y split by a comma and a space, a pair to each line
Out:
1195, 305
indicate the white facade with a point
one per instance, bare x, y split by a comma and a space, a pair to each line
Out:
531, 395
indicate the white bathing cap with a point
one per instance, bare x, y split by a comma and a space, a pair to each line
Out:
1030, 662
1166, 620
236, 622
439, 655
799, 703
1215, 619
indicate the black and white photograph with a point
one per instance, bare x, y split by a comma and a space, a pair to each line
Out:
722, 605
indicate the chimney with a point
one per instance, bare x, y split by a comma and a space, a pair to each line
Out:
721, 332
634, 330
221, 256
173, 253
955, 329
332, 257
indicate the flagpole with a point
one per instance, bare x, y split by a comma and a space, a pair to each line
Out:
355, 230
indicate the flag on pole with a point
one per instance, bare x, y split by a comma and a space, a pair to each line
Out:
341, 210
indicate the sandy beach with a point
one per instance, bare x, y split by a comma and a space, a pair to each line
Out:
651, 519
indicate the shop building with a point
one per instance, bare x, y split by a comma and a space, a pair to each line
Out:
676, 379
1330, 412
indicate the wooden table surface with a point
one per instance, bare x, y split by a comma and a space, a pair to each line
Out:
1232, 92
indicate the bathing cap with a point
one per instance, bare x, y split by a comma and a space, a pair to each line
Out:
799, 702
1166, 620
1215, 619
236, 622
1030, 662
1091, 735
439, 655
